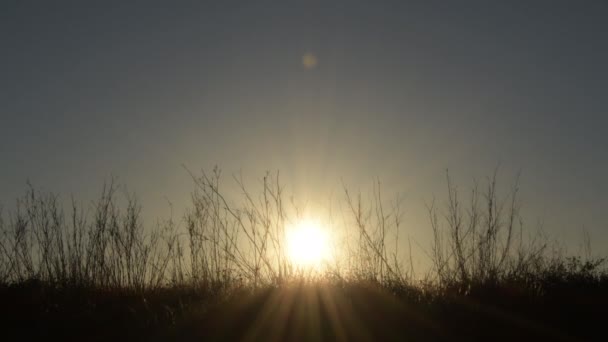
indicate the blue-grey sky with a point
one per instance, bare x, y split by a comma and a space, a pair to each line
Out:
401, 90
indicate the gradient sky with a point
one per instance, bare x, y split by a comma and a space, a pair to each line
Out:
401, 91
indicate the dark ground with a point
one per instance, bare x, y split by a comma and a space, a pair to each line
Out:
354, 312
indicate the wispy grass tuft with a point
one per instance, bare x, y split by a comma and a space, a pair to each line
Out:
87, 258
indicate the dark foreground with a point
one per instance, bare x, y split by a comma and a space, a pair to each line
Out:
352, 312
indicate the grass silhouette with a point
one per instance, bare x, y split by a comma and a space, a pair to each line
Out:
223, 273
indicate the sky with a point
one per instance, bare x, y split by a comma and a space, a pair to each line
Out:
326, 92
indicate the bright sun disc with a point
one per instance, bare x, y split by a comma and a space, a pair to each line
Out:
307, 243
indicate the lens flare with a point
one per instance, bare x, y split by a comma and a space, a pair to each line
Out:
309, 61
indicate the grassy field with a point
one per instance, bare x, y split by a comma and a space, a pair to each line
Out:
224, 272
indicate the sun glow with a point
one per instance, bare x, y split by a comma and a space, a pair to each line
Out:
307, 244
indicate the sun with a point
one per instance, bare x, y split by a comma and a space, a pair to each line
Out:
307, 244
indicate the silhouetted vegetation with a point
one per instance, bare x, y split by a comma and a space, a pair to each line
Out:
223, 272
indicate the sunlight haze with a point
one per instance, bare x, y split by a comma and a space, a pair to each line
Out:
328, 93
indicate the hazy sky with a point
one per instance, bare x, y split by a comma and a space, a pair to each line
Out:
400, 90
